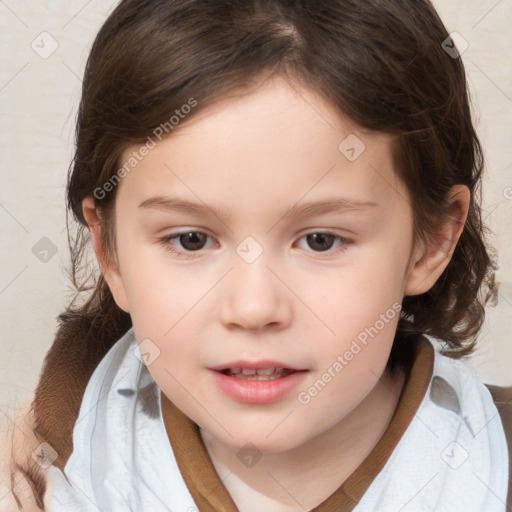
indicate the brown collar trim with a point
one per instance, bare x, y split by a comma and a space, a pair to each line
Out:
194, 463
210, 494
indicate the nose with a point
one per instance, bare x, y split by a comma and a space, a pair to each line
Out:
254, 298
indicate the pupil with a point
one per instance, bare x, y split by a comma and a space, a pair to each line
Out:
320, 239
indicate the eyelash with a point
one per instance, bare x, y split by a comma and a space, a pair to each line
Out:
165, 242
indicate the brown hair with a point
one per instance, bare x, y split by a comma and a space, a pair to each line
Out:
379, 62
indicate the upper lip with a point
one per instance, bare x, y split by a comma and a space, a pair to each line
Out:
254, 365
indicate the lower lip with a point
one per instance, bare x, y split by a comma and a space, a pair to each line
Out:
257, 391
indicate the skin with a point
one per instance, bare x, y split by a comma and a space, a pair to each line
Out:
255, 157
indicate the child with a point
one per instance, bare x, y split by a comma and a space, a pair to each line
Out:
283, 199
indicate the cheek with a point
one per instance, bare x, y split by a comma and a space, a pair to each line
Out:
164, 305
158, 292
345, 300
166, 312
166, 318
364, 326
357, 309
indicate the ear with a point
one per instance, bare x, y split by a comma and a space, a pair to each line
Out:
428, 263
109, 269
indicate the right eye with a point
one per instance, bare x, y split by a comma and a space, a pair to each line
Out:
191, 241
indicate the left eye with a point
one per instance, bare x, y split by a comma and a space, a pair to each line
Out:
323, 239
193, 241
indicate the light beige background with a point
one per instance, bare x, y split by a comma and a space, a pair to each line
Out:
38, 103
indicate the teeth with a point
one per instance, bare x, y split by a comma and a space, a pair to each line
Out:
266, 371
250, 371
261, 374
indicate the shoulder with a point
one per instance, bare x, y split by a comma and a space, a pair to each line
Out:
502, 397
22, 479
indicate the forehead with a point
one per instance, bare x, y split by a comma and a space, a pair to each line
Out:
276, 144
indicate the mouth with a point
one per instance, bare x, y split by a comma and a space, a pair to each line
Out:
262, 385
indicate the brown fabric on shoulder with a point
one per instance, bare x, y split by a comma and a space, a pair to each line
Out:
66, 371
502, 397
67, 368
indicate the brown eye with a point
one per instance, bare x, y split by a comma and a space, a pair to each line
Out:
320, 241
193, 240
187, 244
326, 242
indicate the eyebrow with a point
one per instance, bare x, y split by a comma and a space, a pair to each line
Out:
328, 205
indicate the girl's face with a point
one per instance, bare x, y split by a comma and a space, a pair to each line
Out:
267, 174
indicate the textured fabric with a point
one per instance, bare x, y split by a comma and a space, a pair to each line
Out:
452, 455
